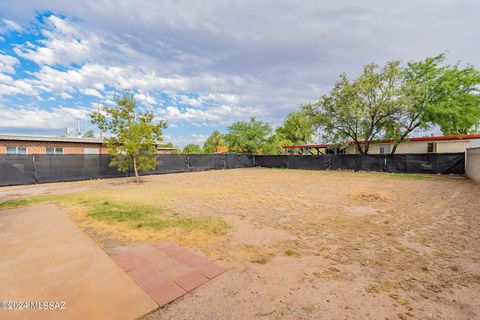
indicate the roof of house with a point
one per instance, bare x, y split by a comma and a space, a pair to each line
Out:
11, 137
430, 138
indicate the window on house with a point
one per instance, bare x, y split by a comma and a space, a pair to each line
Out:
91, 151
431, 147
384, 148
54, 150
16, 150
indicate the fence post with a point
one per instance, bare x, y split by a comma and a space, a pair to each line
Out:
35, 176
188, 162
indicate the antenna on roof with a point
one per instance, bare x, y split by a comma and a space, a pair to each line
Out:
79, 129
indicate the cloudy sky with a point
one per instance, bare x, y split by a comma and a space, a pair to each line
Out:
204, 64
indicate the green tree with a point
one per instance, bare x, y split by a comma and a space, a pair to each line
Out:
433, 93
192, 148
458, 109
274, 144
89, 134
296, 128
215, 140
358, 110
134, 134
248, 136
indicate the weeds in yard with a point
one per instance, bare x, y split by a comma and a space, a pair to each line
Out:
131, 215
331, 273
257, 254
292, 253
21, 202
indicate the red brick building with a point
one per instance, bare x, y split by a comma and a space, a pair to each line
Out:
22, 144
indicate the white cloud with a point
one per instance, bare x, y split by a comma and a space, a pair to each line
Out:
63, 45
145, 98
183, 140
11, 87
12, 25
8, 63
65, 96
55, 81
92, 92
222, 114
66, 42
209, 98
223, 61
36, 118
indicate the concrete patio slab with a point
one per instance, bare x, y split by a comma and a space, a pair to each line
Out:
47, 262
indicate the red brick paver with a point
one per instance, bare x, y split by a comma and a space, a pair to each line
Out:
191, 259
166, 271
173, 250
211, 270
191, 280
164, 244
128, 261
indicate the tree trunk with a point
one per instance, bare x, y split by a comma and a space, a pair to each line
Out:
395, 145
359, 147
135, 169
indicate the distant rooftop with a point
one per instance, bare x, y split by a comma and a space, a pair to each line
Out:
429, 138
15, 137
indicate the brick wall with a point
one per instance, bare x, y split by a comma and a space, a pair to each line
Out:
39, 147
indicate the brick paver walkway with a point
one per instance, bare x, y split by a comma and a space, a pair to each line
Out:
166, 270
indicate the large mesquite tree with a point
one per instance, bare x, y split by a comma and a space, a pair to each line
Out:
393, 101
433, 93
358, 109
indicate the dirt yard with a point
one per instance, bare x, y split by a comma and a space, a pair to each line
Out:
301, 244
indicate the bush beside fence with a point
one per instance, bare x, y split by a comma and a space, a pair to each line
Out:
28, 169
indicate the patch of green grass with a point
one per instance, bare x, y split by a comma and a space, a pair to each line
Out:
15, 203
134, 215
152, 217
411, 176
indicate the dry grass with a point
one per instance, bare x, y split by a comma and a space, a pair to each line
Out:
256, 254
131, 220
404, 237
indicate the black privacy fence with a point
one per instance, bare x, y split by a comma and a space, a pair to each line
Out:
28, 169
445, 163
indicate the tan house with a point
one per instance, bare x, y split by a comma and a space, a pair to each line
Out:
32, 144
432, 144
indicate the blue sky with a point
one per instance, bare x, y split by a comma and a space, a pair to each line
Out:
203, 64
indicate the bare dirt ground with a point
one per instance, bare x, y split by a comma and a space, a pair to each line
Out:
313, 244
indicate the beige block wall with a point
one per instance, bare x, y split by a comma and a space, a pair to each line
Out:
39, 147
405, 147
453, 146
472, 165
445, 146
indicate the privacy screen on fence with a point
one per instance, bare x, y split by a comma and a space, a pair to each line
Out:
446, 163
27, 169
